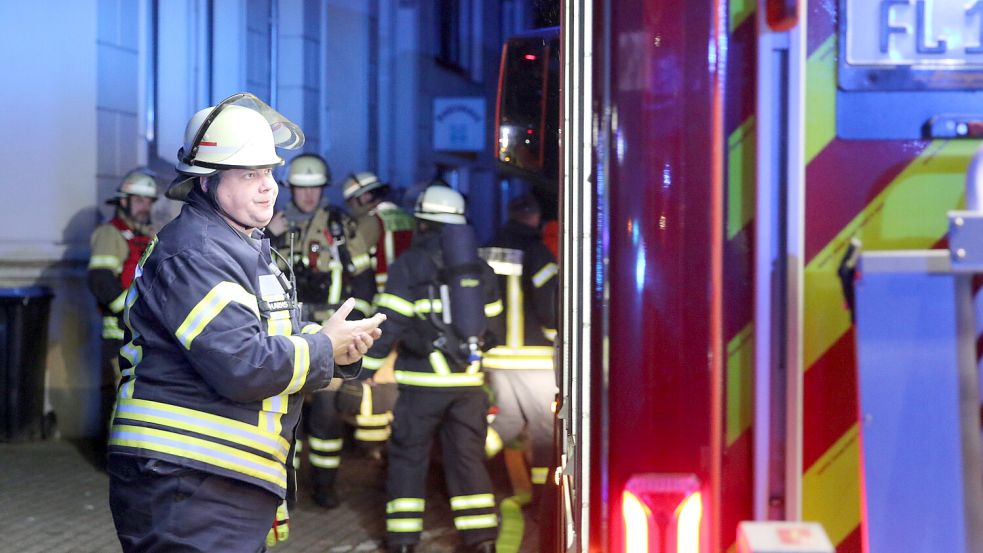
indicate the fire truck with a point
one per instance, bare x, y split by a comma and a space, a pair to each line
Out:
724, 353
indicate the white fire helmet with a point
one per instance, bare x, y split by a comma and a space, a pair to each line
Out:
138, 182
241, 132
308, 170
442, 204
359, 183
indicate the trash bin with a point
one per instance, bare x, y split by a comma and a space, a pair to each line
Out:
23, 350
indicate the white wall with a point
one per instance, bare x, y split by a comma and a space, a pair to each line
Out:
49, 133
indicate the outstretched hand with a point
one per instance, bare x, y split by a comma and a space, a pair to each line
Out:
351, 339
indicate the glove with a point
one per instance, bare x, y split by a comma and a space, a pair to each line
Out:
281, 526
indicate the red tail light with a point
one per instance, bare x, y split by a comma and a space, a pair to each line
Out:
782, 15
663, 513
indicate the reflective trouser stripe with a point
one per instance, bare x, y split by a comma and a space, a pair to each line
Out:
318, 444
324, 462
474, 522
404, 525
372, 434
119, 303
406, 505
477, 501
324, 454
111, 329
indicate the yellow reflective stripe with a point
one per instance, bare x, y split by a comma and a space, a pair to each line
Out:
439, 380
201, 450
396, 303
428, 306
361, 262
119, 303
111, 329
538, 475
132, 353
380, 280
406, 505
493, 443
210, 306
474, 522
311, 328
279, 327
323, 445
476, 501
528, 357
106, 262
131, 298
544, 275
514, 325
207, 424
375, 435
494, 308
363, 306
372, 363
324, 461
302, 364
365, 406
373, 420
334, 293
550, 334
404, 525
439, 363
513, 526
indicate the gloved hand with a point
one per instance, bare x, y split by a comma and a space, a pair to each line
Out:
281, 526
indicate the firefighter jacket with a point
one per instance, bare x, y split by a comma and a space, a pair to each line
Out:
527, 273
215, 358
413, 307
329, 260
388, 231
116, 248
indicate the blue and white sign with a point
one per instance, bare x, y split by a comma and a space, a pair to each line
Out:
459, 124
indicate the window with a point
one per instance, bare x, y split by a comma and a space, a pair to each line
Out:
454, 33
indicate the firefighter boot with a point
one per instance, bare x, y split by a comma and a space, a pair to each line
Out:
324, 491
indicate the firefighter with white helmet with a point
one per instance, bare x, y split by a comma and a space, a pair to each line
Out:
331, 263
216, 357
116, 247
442, 306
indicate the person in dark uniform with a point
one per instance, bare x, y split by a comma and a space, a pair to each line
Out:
440, 381
116, 247
216, 357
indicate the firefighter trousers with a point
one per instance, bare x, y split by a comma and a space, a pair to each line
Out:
524, 398
459, 416
324, 429
161, 507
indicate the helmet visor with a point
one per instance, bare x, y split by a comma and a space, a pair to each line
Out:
286, 133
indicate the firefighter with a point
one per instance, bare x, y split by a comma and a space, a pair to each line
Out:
440, 383
216, 356
330, 262
520, 371
116, 248
388, 230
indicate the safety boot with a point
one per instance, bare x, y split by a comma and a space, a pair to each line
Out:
324, 491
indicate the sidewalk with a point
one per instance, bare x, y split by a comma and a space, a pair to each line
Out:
52, 500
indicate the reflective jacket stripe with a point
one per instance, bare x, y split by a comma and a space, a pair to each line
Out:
406, 505
311, 328
538, 475
439, 380
425, 306
334, 292
544, 275
550, 334
477, 501
117, 305
302, 364
371, 363
111, 329
396, 303
132, 353
110, 262
364, 307
190, 420
528, 357
439, 363
210, 306
201, 450
494, 308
